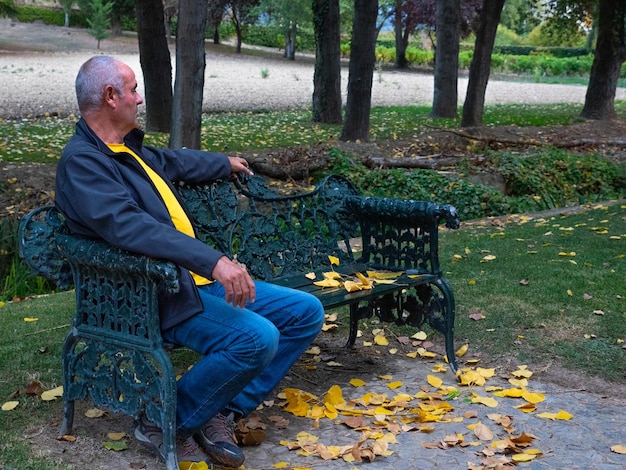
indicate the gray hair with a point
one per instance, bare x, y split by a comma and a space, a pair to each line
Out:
93, 76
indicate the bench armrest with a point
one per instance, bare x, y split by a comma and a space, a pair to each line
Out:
400, 234
404, 210
103, 256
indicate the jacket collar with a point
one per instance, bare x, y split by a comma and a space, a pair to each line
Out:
133, 140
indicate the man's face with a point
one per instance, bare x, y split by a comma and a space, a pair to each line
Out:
129, 100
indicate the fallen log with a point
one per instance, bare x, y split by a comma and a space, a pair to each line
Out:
425, 162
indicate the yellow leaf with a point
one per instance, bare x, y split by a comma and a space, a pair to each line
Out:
434, 381
462, 350
333, 260
533, 398
564, 415
363, 279
394, 385
331, 275
383, 275
310, 275
420, 336
327, 283
30, 319
116, 436
334, 396
357, 382
526, 407
52, 394
95, 413
523, 457
487, 401
381, 340
522, 372
10, 405
185, 465
280, 465
619, 449
352, 286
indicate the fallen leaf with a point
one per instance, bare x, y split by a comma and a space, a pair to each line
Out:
618, 449
10, 405
116, 446
95, 413
52, 394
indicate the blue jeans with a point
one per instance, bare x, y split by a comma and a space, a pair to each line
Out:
246, 351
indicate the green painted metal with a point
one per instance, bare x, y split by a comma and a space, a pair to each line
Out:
114, 353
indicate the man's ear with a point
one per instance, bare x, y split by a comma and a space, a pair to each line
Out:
109, 95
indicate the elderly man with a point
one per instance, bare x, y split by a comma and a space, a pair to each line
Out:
112, 187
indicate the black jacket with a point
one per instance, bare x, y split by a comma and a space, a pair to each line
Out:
109, 196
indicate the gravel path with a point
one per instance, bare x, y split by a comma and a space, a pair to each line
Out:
35, 83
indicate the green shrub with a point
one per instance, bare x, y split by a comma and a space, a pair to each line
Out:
472, 201
547, 179
50, 16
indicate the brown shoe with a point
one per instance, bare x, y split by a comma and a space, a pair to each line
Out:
217, 438
151, 436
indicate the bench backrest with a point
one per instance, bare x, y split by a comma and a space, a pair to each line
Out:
275, 235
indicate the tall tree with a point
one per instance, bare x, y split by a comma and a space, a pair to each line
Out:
327, 76
215, 14
290, 15
189, 82
361, 71
609, 56
480, 67
242, 13
445, 99
521, 16
67, 9
99, 21
156, 64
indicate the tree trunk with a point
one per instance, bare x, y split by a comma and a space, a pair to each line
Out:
402, 40
238, 33
290, 42
481, 63
156, 64
190, 66
361, 71
445, 99
327, 76
605, 70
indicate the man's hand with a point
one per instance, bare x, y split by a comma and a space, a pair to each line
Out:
237, 282
239, 165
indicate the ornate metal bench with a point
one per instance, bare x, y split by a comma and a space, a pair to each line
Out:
114, 352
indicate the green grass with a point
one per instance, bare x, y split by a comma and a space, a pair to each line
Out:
554, 293
42, 140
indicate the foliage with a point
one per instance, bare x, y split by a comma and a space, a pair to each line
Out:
545, 180
51, 16
472, 200
7, 8
521, 16
99, 20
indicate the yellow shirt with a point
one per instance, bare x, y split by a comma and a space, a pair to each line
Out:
177, 213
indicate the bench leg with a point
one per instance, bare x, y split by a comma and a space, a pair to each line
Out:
356, 314
448, 320
68, 403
